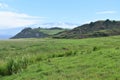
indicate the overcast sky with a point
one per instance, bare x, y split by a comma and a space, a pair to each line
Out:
17, 13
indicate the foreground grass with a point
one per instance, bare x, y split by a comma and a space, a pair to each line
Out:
60, 59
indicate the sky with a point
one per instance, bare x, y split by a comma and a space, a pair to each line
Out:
19, 13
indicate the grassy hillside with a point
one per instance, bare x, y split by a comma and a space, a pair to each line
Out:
51, 31
38, 32
100, 28
60, 59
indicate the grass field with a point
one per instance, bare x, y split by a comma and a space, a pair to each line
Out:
51, 32
60, 59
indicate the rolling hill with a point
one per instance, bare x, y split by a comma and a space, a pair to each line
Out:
99, 28
94, 29
38, 32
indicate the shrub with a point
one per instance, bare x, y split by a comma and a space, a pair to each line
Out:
14, 66
95, 48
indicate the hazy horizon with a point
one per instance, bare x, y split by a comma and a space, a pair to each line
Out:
16, 14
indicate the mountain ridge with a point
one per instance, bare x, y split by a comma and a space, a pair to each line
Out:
99, 28
37, 32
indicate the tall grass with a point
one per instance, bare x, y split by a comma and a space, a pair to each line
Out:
13, 66
16, 65
59, 58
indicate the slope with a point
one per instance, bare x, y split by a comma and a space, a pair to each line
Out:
38, 32
93, 29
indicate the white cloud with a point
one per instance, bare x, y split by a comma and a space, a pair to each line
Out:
10, 19
3, 5
107, 12
57, 24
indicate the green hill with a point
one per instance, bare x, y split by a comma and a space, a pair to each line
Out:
30, 33
38, 32
52, 31
93, 29
60, 59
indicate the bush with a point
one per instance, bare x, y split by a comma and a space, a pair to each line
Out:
14, 66
95, 48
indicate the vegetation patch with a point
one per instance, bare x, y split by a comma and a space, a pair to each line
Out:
60, 59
